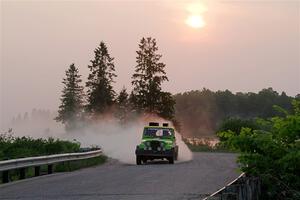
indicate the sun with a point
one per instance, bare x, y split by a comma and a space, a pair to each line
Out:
195, 12
195, 21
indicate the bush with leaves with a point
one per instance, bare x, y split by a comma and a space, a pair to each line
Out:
233, 126
20, 147
272, 152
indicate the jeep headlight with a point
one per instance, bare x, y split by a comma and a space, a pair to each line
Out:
141, 146
169, 145
169, 142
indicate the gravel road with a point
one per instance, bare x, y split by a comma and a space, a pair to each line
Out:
205, 174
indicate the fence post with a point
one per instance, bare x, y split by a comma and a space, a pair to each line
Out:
37, 170
50, 169
22, 173
5, 176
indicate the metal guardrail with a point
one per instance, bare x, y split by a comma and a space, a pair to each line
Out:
242, 188
36, 162
45, 160
223, 188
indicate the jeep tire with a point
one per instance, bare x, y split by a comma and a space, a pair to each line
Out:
138, 160
176, 153
171, 160
144, 160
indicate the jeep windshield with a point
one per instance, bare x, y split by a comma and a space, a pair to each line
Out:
157, 132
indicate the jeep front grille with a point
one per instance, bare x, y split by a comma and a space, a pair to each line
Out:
154, 145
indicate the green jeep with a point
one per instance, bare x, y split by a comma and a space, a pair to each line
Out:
158, 142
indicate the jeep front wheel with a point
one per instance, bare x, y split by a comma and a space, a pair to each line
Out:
138, 160
171, 160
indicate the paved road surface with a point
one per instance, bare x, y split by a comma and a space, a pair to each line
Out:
205, 174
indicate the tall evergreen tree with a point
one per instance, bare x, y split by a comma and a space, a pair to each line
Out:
123, 106
147, 95
71, 106
100, 92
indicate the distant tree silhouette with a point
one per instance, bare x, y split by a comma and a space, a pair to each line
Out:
100, 93
123, 106
147, 95
71, 106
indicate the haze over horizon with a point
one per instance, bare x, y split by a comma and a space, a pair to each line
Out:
241, 46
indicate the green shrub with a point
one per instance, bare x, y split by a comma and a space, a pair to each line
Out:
20, 147
272, 153
233, 126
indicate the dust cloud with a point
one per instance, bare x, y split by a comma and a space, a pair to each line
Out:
117, 141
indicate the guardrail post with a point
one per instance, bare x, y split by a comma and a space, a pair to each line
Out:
5, 176
50, 169
22, 173
37, 170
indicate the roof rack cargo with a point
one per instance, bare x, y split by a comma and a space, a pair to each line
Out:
153, 124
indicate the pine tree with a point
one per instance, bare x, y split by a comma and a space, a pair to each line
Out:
147, 95
71, 106
100, 92
123, 106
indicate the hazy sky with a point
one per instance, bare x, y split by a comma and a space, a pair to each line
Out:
238, 45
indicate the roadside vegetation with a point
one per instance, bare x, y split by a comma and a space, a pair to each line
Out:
20, 147
269, 149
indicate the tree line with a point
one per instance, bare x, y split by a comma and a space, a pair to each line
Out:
101, 98
196, 113
201, 112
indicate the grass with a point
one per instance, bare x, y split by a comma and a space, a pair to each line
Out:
59, 167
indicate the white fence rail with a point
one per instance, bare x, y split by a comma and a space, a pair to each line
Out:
23, 163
